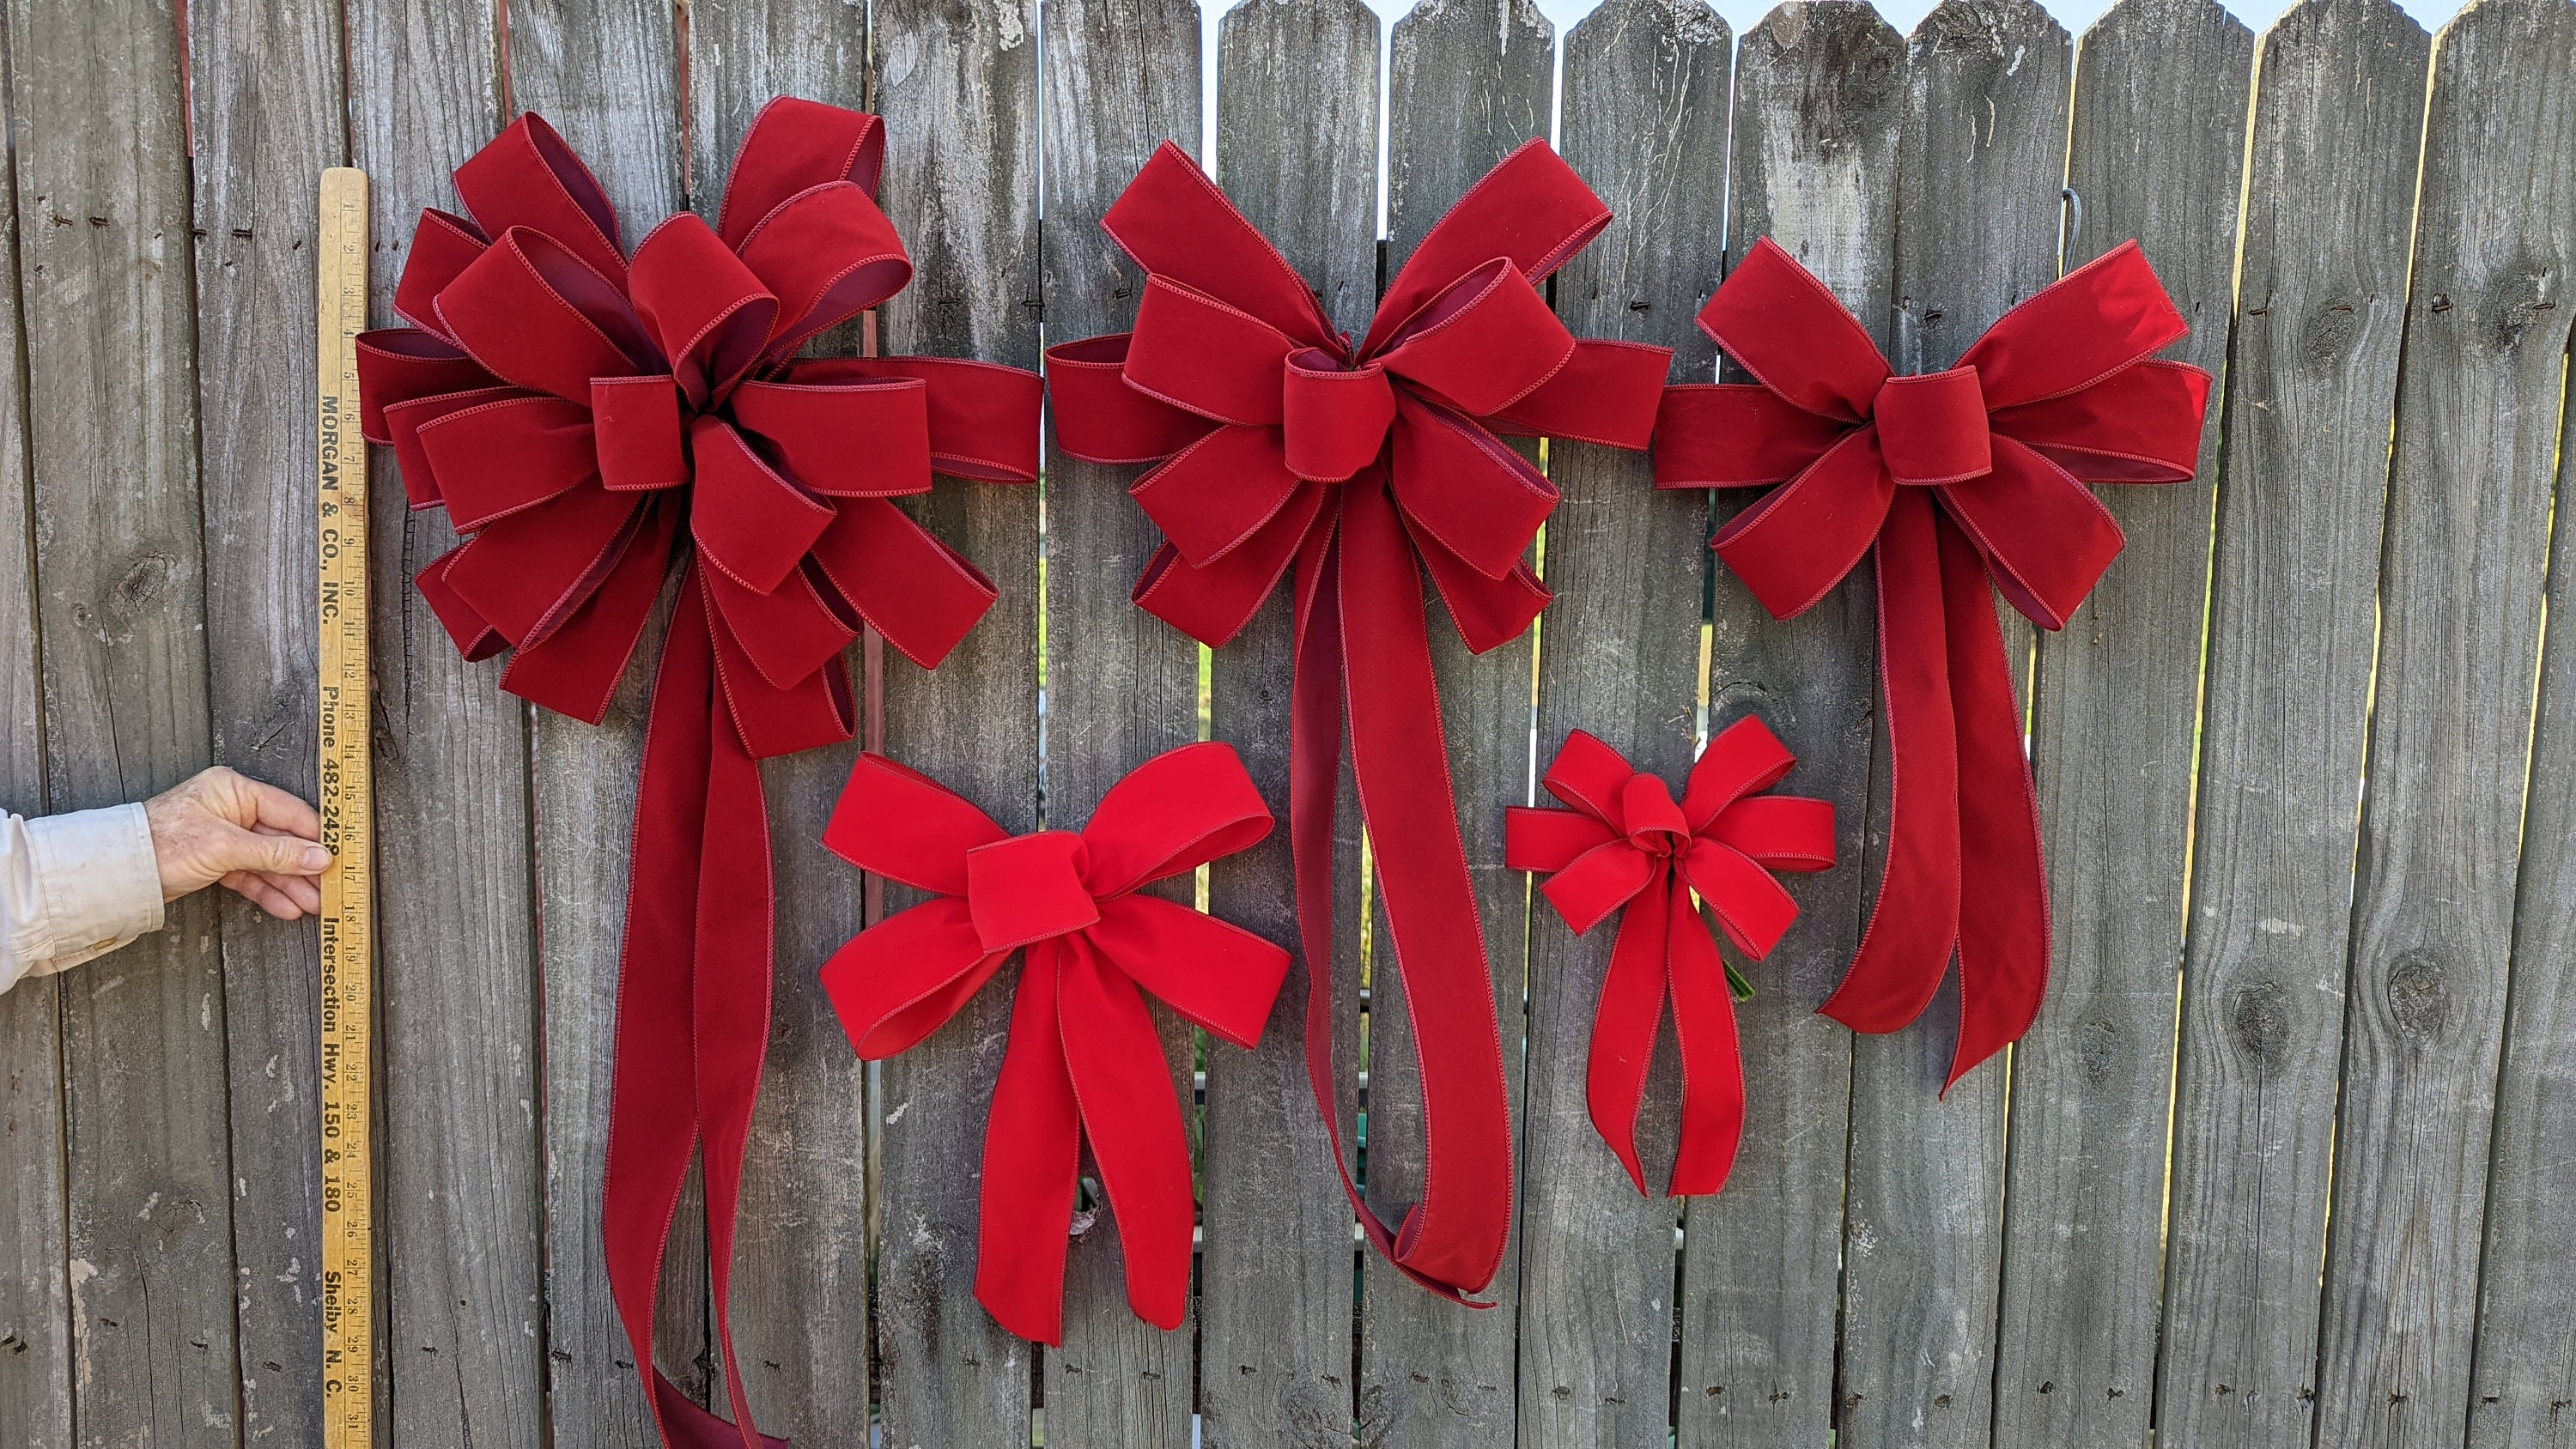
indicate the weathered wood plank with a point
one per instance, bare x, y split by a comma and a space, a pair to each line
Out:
35, 1301
800, 1271
2158, 153
2312, 383
110, 344
605, 73
1645, 122
1297, 111
1979, 164
268, 104
2479, 398
958, 88
1471, 80
1121, 77
465, 1267
1820, 94
1819, 97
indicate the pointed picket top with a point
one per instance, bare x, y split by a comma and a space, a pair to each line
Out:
2159, 17
2005, 27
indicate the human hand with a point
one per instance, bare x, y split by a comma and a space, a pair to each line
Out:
220, 826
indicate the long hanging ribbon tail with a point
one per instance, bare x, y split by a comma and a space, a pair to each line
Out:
1032, 1162
1712, 1061
2003, 924
1915, 921
1624, 1023
692, 1011
1363, 636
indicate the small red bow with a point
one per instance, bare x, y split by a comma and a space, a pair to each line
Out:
1281, 443
1955, 478
1625, 843
576, 411
1084, 1061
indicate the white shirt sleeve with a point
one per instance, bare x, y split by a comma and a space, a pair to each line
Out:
73, 887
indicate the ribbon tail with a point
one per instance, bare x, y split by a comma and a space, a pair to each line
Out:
1132, 1114
2003, 924
1915, 920
671, 1065
1712, 1061
1454, 1237
1624, 1026
1032, 1155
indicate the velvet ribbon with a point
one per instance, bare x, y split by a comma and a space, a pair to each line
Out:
1952, 479
1623, 843
591, 420
1283, 445
1084, 1062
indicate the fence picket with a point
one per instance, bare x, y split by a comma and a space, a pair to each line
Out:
105, 256
2338, 114
1471, 80
1645, 120
1819, 100
2479, 397
957, 86
2158, 152
1297, 150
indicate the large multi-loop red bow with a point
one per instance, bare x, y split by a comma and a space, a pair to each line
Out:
1955, 478
577, 412
1083, 1061
1625, 843
1281, 443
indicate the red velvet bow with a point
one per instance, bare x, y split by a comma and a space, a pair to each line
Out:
1084, 1061
1363, 466
576, 410
1955, 477
1625, 843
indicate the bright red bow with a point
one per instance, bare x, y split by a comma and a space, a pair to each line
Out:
575, 410
1363, 466
1084, 1061
1625, 843
2062, 391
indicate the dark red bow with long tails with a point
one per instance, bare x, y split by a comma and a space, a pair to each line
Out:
1282, 444
1623, 842
1084, 1061
589, 418
1955, 478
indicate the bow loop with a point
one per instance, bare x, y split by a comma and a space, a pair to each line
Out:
1654, 823
897, 822
1932, 429
1028, 888
1176, 224
1482, 345
710, 314
533, 312
794, 145
1172, 814
527, 177
1744, 758
1201, 355
1796, 338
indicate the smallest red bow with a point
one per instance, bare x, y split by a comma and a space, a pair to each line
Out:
1624, 842
1084, 1059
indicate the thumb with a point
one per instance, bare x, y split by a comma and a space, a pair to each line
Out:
281, 854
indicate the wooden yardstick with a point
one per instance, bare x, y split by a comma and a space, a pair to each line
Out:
346, 799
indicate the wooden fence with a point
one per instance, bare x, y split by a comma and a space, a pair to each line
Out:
2290, 1158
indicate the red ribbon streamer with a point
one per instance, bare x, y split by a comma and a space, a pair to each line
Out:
590, 418
1084, 1061
1623, 842
1955, 478
1281, 443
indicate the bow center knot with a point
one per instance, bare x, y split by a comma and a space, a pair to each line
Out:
637, 424
1654, 823
1332, 418
1932, 428
1028, 888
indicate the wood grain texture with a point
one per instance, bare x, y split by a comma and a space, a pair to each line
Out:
958, 86
1979, 163
461, 1195
1471, 80
1820, 96
268, 101
35, 1298
605, 73
1297, 111
2312, 376
1644, 123
2157, 154
105, 257
1121, 77
2463, 571
800, 1271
